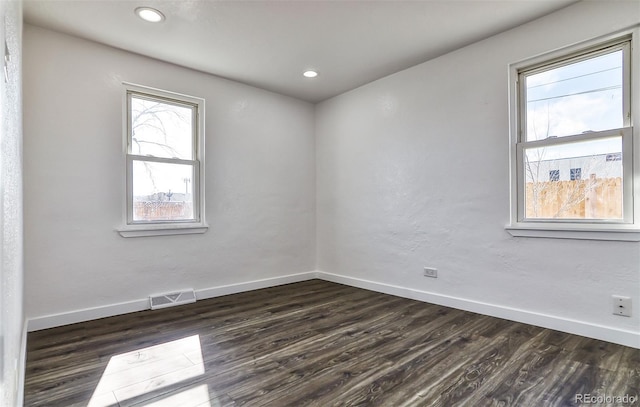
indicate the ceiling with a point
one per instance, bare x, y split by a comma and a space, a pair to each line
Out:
270, 43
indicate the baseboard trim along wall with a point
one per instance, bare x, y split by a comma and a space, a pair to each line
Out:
254, 285
605, 333
88, 314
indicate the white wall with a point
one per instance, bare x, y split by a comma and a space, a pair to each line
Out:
260, 183
11, 252
413, 171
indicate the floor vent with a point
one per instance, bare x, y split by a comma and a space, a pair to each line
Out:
172, 299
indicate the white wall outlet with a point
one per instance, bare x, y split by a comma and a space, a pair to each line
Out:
621, 305
430, 272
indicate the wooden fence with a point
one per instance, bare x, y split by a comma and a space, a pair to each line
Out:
162, 210
592, 198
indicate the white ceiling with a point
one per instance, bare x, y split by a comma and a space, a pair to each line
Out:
270, 43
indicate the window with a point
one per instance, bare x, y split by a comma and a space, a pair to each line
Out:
575, 174
572, 115
614, 157
164, 163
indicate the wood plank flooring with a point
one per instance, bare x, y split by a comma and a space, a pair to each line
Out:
317, 343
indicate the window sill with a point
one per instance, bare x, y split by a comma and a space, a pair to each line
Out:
161, 230
627, 234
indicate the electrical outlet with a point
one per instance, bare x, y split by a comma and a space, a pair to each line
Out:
621, 305
430, 272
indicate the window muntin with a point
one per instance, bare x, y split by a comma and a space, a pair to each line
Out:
574, 112
164, 150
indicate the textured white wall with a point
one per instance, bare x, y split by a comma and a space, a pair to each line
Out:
260, 181
11, 252
413, 171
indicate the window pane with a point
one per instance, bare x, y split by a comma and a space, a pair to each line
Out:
574, 180
162, 191
577, 98
161, 129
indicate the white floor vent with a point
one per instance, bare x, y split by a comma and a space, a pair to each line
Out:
172, 299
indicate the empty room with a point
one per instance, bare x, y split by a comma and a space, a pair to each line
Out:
320, 203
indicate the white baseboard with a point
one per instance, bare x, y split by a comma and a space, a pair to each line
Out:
254, 285
605, 333
88, 314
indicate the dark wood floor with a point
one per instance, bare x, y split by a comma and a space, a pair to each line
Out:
317, 343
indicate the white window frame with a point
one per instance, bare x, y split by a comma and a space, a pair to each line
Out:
131, 228
627, 229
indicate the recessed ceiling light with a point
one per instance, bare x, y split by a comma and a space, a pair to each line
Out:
150, 14
310, 74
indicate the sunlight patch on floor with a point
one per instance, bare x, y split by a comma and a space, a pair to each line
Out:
142, 371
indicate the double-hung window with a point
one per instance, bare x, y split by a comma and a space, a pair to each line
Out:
164, 163
571, 112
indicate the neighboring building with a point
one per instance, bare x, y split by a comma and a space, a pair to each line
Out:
576, 168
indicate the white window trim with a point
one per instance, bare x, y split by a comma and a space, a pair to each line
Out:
571, 229
130, 229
